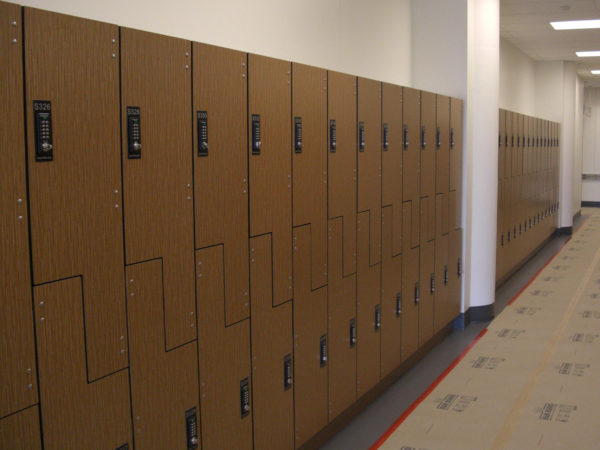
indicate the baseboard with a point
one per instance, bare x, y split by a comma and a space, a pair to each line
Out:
591, 204
474, 314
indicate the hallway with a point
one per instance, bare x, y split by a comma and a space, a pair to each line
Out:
535, 343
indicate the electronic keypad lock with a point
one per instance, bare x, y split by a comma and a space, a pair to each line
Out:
256, 143
134, 133
332, 136
386, 137
438, 137
323, 350
298, 134
377, 317
423, 137
361, 136
417, 293
202, 118
42, 111
398, 304
451, 137
191, 428
352, 332
287, 372
245, 397
405, 137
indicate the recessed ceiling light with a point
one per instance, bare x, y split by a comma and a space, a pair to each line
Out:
576, 24
588, 54
595, 72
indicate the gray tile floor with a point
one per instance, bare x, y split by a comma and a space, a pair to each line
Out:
367, 427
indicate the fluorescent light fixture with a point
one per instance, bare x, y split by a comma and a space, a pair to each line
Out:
588, 54
576, 24
595, 72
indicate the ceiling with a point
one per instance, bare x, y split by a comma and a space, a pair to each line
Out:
525, 23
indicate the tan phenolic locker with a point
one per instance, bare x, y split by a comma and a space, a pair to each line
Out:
164, 384
500, 237
309, 105
224, 359
270, 169
456, 145
342, 170
442, 307
310, 343
272, 359
427, 144
391, 225
75, 199
341, 314
391, 296
75, 410
18, 380
369, 147
221, 167
21, 431
411, 146
442, 164
428, 284
157, 186
455, 268
368, 311
410, 284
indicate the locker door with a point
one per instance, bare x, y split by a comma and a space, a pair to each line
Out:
454, 273
427, 144
441, 300
341, 313
391, 297
272, 362
410, 289
369, 161
157, 186
442, 160
427, 282
456, 143
411, 155
223, 359
427, 222
21, 431
309, 129
341, 91
164, 384
221, 166
501, 142
310, 343
75, 199
391, 179
269, 106
18, 381
75, 411
368, 309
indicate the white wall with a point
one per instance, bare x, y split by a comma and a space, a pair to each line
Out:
439, 46
517, 80
370, 39
549, 77
591, 144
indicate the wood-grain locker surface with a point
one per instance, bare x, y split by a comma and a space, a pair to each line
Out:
441, 214
269, 95
428, 144
411, 166
223, 359
341, 105
456, 150
221, 178
508, 145
426, 303
75, 200
514, 139
341, 304
501, 143
454, 279
273, 404
428, 219
18, 381
411, 218
75, 411
441, 315
520, 141
391, 170
410, 308
310, 326
369, 161
21, 431
164, 384
442, 153
157, 188
368, 288
309, 102
391, 290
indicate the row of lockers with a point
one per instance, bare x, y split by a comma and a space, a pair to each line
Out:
528, 160
222, 250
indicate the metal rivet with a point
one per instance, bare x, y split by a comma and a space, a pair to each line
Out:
191, 313
187, 67
131, 294
252, 260
29, 370
243, 64
122, 338
116, 191
41, 303
199, 275
19, 200
14, 41
14, 23
42, 319
199, 263
189, 198
187, 53
114, 55
113, 40
30, 386
117, 206
245, 304
192, 325
245, 294
122, 351
131, 281
20, 217
243, 75
244, 191
189, 185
